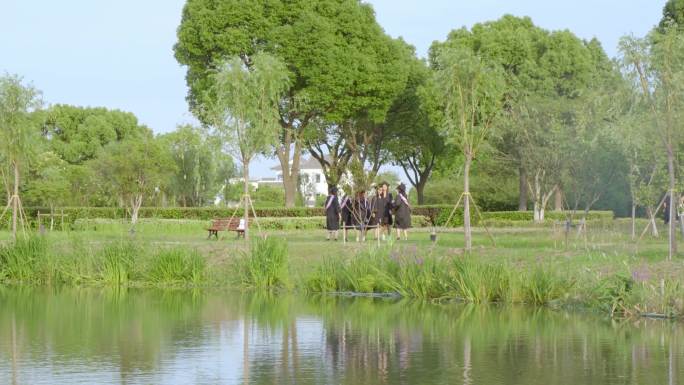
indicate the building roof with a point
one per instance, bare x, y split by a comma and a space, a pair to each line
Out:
306, 164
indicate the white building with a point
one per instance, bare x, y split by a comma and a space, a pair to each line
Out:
311, 177
312, 180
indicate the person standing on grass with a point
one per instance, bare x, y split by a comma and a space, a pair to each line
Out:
361, 214
373, 219
402, 210
383, 212
332, 214
666, 209
346, 210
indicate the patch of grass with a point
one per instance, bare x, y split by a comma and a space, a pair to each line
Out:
176, 266
325, 277
480, 282
21, 261
117, 263
265, 265
543, 286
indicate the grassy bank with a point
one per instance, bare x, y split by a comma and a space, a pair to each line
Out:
529, 266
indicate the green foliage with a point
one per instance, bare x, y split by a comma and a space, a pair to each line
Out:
18, 133
244, 110
324, 278
480, 283
48, 182
176, 266
387, 270
81, 218
134, 170
543, 286
201, 168
21, 260
265, 266
614, 294
78, 134
269, 196
673, 15
118, 263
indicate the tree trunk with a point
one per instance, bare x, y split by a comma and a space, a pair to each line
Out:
651, 217
673, 213
290, 170
558, 200
466, 204
136, 202
633, 221
247, 199
420, 191
15, 201
290, 187
522, 202
538, 212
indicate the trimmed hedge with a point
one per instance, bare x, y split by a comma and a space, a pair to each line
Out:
436, 214
185, 225
439, 214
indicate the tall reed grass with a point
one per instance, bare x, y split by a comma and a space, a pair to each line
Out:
122, 263
264, 265
383, 270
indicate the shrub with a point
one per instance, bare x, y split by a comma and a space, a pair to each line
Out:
436, 215
614, 293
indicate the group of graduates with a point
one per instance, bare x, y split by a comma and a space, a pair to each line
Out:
361, 213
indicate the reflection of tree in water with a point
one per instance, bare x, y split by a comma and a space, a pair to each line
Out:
288, 340
374, 341
128, 328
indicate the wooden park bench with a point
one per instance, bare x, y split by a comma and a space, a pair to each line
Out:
225, 224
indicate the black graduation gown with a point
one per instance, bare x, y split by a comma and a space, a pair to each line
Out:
402, 216
373, 211
346, 208
332, 213
362, 212
383, 210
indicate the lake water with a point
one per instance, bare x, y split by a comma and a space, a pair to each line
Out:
99, 336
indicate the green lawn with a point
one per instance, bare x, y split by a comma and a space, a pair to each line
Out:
605, 249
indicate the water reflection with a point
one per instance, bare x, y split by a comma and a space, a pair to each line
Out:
56, 336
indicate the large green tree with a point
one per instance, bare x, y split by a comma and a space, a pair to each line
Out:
77, 134
134, 170
415, 141
244, 109
516, 46
673, 15
472, 90
655, 66
201, 166
339, 59
18, 134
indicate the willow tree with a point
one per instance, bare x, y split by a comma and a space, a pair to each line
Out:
244, 109
17, 134
472, 91
655, 65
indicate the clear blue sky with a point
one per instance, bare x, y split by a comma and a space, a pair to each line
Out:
118, 54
